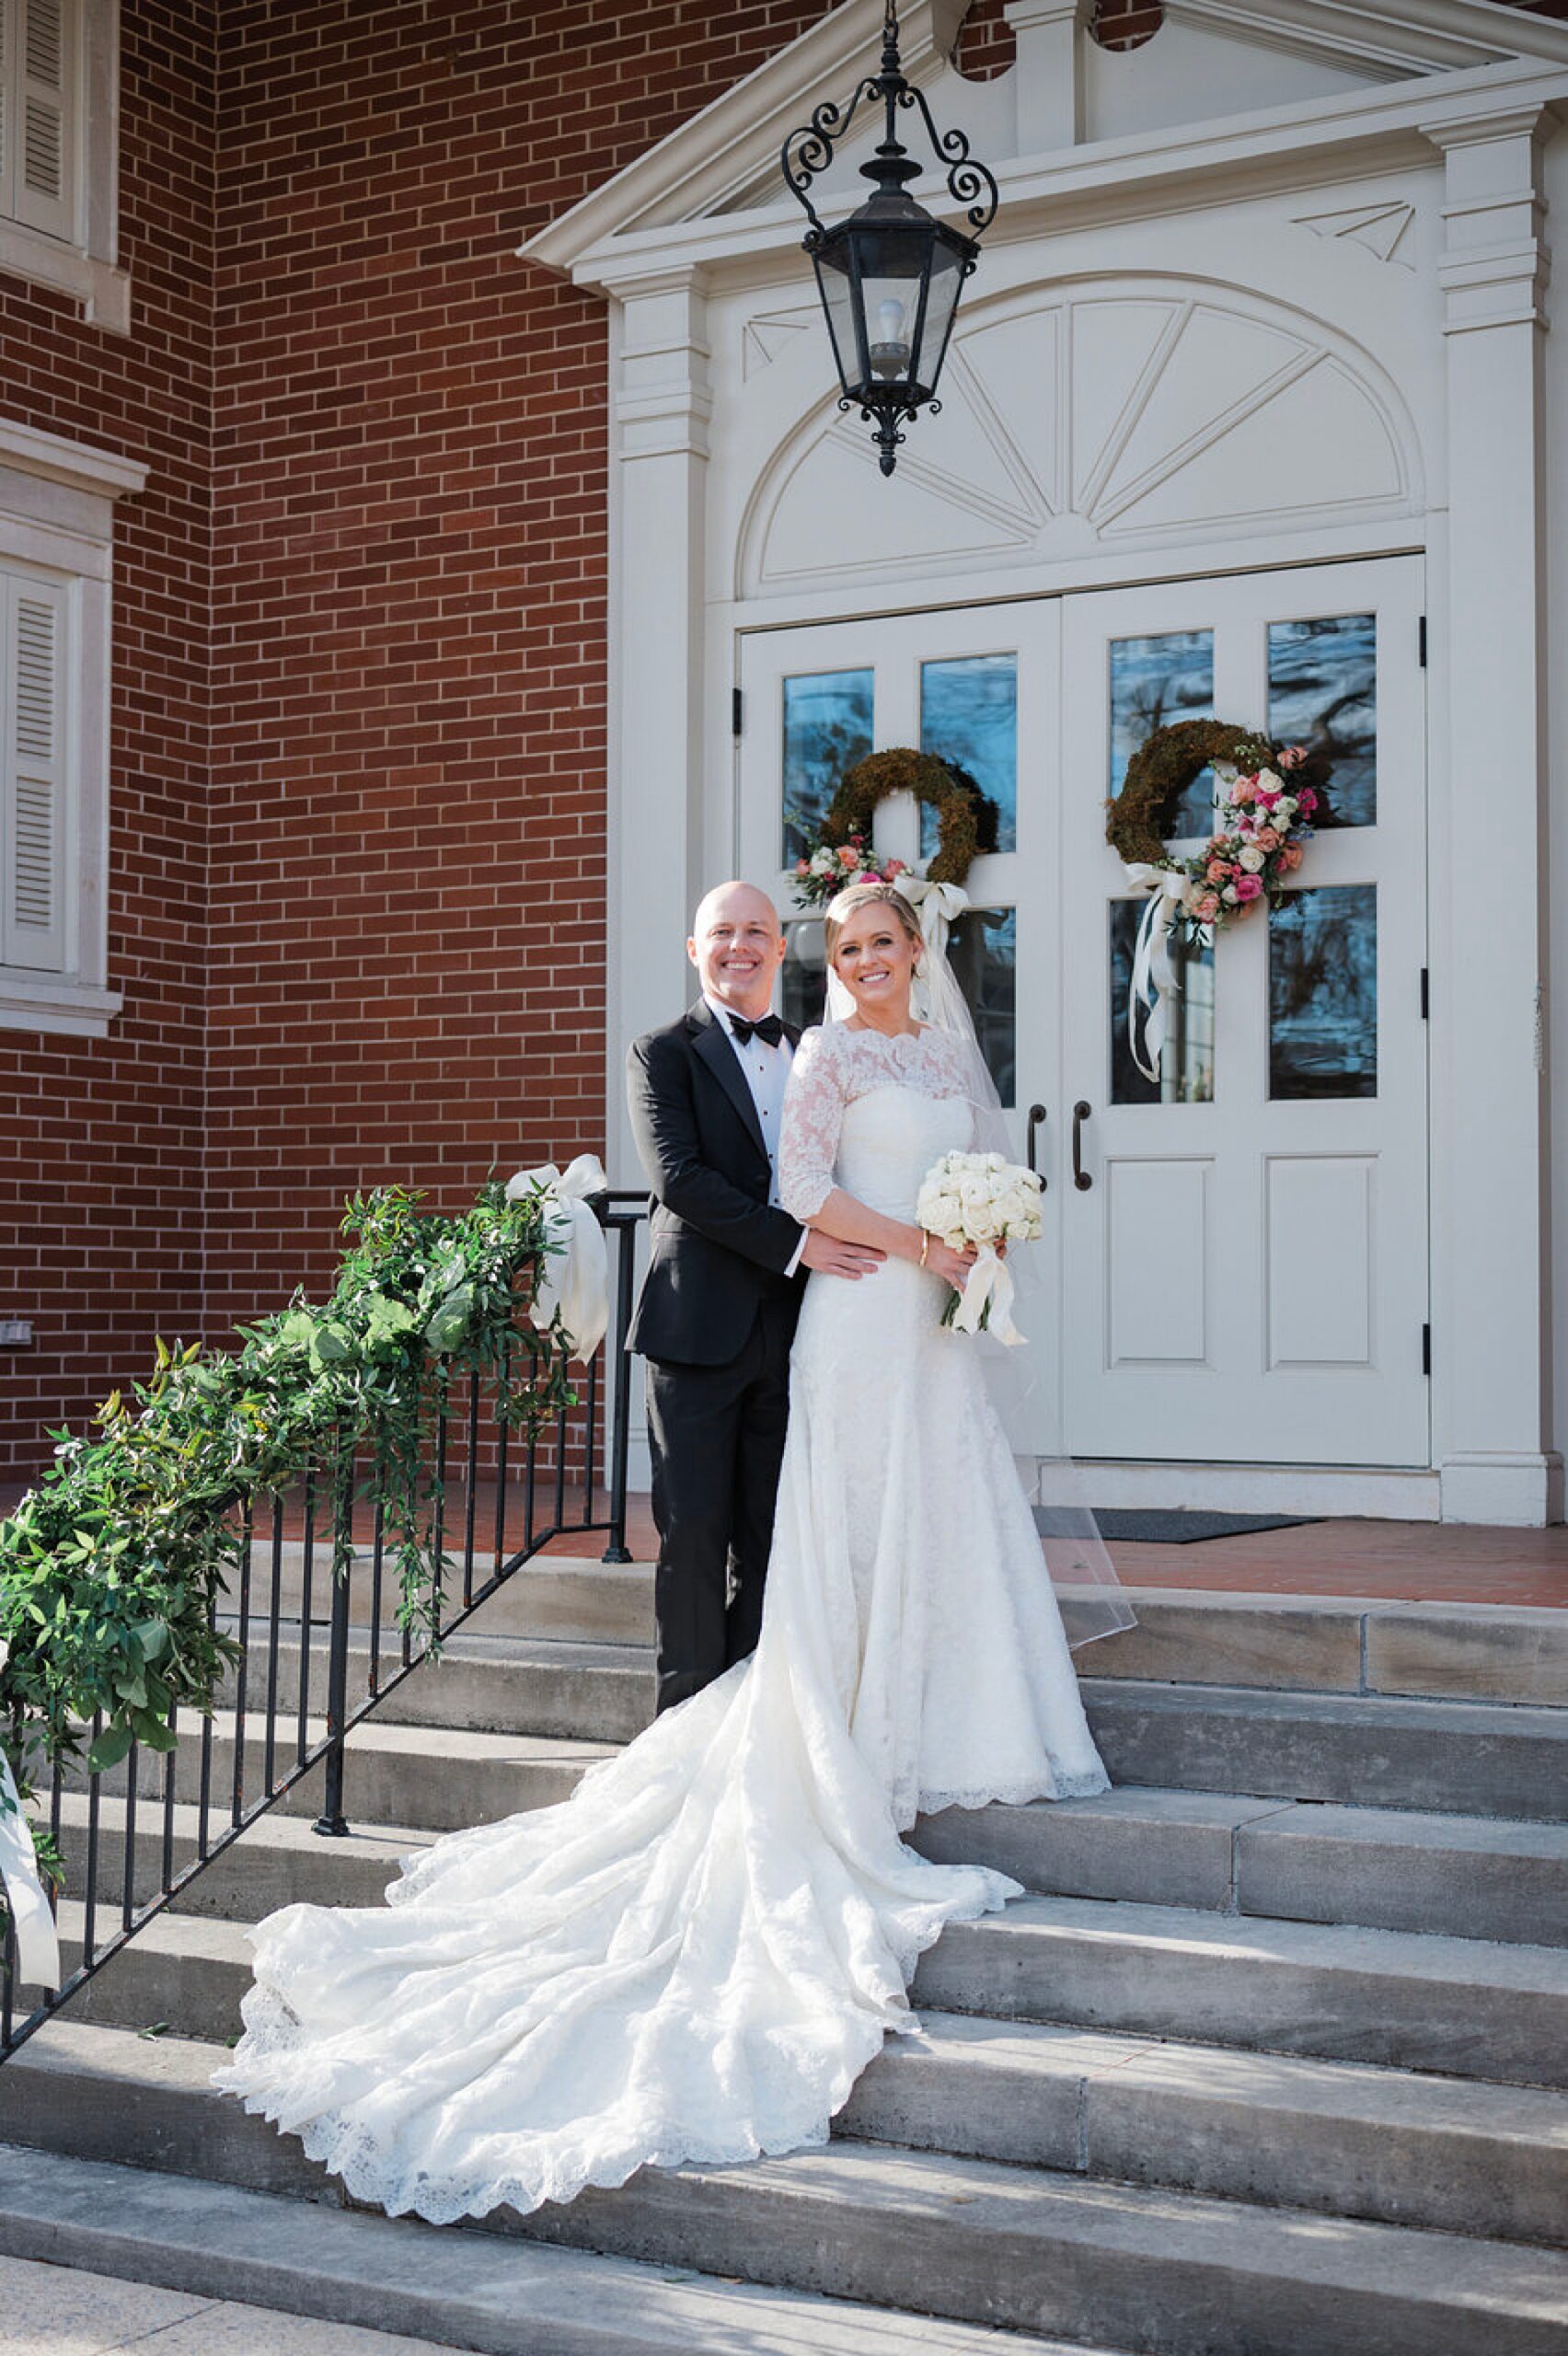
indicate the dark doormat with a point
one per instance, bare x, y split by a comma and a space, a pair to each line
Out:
1179, 1528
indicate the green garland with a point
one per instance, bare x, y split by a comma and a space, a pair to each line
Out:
111, 1568
966, 816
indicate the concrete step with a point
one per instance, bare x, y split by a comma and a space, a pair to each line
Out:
1311, 1643
1484, 1877
1462, 1877
1477, 1758
440, 1777
1460, 2007
977, 2241
1407, 2148
482, 1683
399, 2277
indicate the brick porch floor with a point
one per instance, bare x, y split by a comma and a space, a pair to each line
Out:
1392, 1561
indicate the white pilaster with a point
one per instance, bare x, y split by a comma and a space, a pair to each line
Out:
660, 410
1491, 1187
1048, 76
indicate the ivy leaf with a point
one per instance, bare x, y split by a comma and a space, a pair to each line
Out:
152, 1639
153, 1732
109, 1749
450, 1323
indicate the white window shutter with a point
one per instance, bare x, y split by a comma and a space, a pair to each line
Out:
43, 68
8, 100
33, 815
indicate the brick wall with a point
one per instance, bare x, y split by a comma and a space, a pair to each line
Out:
100, 1165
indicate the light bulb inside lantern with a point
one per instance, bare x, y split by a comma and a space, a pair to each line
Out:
889, 353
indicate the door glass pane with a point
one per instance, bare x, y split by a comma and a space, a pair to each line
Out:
1323, 992
805, 979
1186, 1062
1154, 683
1323, 693
827, 728
969, 714
983, 951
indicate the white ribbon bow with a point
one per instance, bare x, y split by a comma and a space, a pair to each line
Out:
1152, 968
575, 1275
988, 1285
38, 1947
937, 905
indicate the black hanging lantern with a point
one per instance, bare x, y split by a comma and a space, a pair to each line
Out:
890, 276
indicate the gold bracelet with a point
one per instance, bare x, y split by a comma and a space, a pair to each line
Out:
924, 1244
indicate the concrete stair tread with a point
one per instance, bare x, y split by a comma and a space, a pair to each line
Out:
1372, 1711
398, 2276
1022, 2246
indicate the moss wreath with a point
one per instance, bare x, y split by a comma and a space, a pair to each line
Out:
966, 816
1159, 772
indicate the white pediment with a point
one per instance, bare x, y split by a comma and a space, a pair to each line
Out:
1213, 63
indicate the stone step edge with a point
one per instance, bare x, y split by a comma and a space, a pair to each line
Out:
977, 2239
398, 2275
1235, 2072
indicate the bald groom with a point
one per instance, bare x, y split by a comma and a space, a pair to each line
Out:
717, 1309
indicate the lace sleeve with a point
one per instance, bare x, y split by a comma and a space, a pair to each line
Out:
808, 1137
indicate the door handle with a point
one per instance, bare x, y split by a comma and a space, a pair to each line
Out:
1081, 1178
1036, 1114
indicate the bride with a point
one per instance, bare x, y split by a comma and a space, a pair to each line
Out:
695, 1957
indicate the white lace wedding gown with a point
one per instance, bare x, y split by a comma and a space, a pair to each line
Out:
695, 1957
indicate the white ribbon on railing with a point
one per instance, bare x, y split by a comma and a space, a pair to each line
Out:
575, 1275
38, 1947
988, 1285
1152, 969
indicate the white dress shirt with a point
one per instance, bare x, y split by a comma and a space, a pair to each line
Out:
767, 1073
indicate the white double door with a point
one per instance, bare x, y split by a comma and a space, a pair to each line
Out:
1237, 1255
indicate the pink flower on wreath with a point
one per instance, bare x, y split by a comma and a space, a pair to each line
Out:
1290, 856
1207, 908
1245, 790
1267, 797
1218, 870
1292, 756
848, 855
802, 867
1248, 887
1267, 838
896, 867
1306, 800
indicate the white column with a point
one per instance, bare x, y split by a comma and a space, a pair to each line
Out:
660, 410
1048, 76
1492, 1175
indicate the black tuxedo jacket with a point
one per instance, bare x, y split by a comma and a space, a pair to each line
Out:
718, 1250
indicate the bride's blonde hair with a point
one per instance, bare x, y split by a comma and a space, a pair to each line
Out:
856, 897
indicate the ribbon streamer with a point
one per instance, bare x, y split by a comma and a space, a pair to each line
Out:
575, 1275
1152, 968
38, 1947
988, 1285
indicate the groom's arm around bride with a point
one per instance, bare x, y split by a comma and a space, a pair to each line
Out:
717, 1309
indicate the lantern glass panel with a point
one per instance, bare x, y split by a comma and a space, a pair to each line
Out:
941, 300
834, 281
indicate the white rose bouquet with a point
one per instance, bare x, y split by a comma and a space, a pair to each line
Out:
984, 1199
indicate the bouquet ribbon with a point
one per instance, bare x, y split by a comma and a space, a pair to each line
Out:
38, 1947
574, 1274
1152, 969
986, 1299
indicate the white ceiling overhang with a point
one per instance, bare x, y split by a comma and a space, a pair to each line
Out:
704, 196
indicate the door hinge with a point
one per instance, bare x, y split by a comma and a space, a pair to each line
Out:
1425, 996
1421, 641
734, 712
1426, 1349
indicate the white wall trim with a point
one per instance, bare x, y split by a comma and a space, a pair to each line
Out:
83, 466
86, 267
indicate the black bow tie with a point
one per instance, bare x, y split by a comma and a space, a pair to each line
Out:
770, 1029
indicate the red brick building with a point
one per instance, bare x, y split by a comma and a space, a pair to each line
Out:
356, 866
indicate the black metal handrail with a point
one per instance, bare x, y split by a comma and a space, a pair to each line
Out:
219, 1810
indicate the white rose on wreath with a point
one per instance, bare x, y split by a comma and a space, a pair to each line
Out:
1250, 858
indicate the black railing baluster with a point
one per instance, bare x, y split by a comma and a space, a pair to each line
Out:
589, 1427
242, 1670
331, 1822
169, 1795
128, 1859
377, 1543
90, 1894
438, 1531
8, 2001
501, 1430
530, 1473
473, 1491
308, 1565
625, 1239
270, 1759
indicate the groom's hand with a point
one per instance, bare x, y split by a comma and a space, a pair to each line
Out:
831, 1258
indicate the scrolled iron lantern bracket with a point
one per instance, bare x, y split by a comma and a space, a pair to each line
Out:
889, 276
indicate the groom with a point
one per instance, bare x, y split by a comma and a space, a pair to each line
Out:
718, 1309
